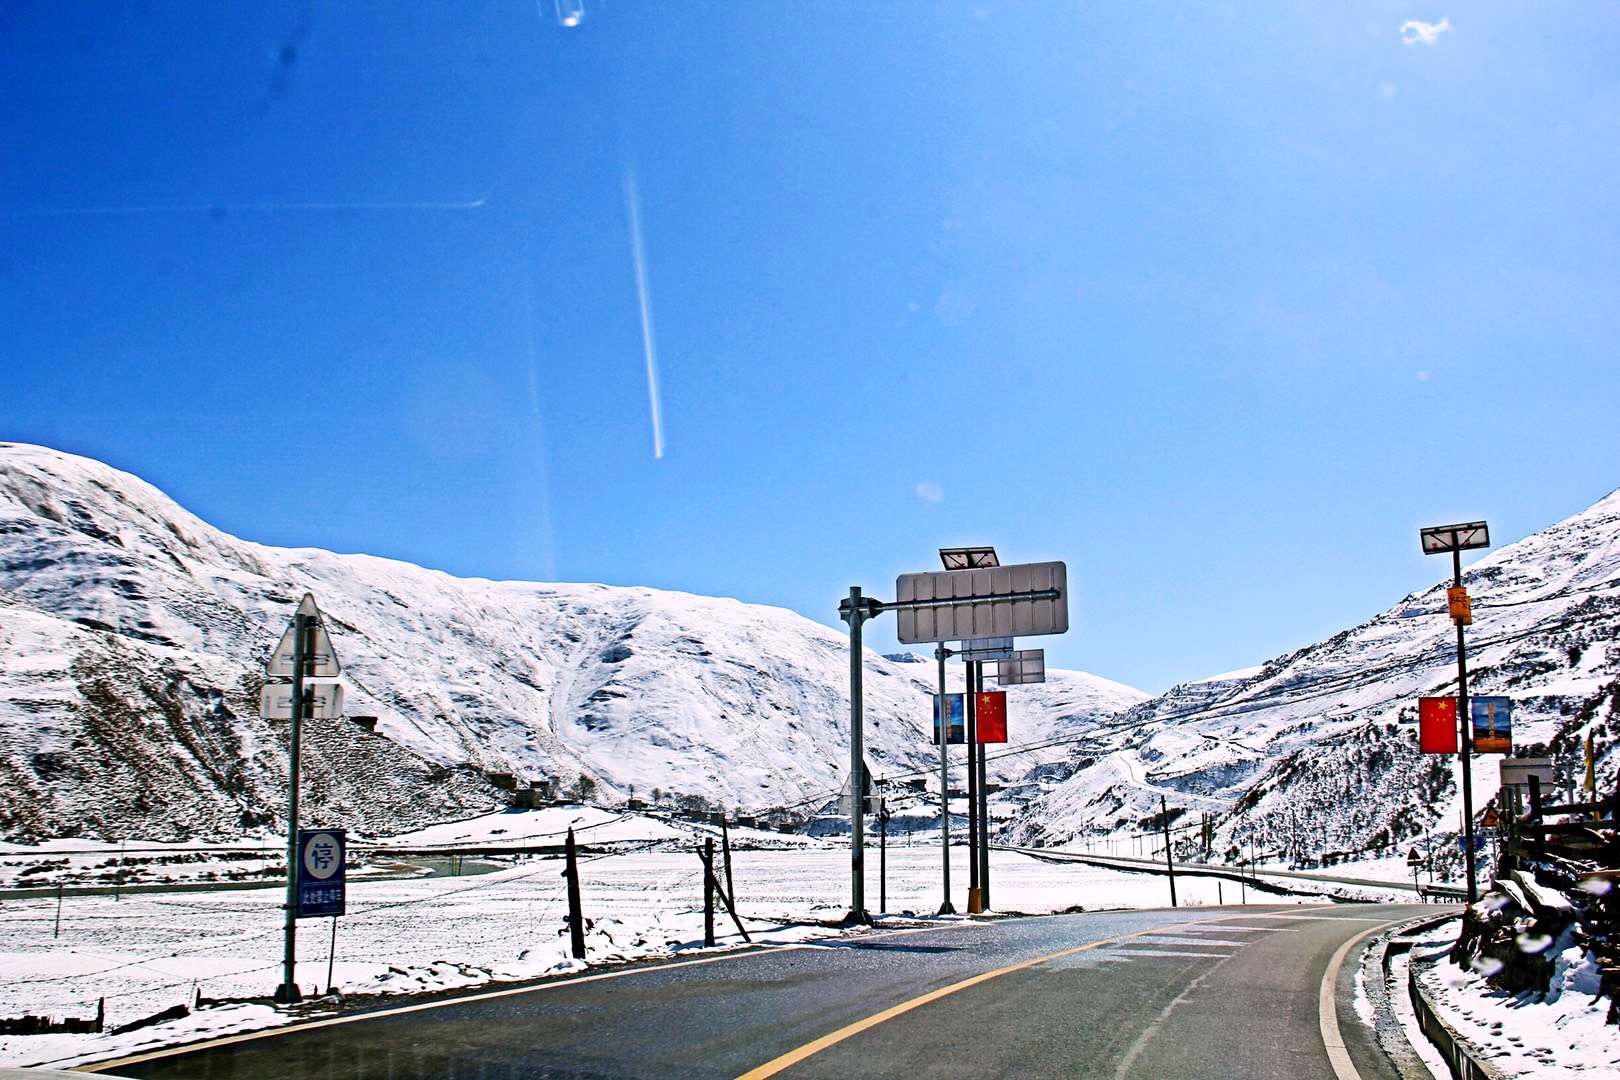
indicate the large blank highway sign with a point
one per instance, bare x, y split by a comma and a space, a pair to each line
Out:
999, 618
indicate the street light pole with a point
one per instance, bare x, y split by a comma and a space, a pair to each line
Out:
1467, 721
287, 993
855, 616
1456, 539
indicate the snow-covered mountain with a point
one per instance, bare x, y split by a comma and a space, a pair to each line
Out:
1315, 752
134, 636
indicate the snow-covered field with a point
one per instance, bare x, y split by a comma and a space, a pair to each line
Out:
1560, 1035
147, 952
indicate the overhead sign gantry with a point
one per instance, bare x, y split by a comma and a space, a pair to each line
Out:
978, 599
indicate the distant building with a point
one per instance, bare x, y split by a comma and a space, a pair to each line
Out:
538, 793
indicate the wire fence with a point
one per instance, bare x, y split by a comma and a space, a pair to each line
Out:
65, 954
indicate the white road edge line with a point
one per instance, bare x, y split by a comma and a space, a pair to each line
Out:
1327, 1006
467, 999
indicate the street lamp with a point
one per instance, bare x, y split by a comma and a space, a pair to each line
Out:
1457, 539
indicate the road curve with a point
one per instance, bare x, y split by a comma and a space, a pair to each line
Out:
1164, 994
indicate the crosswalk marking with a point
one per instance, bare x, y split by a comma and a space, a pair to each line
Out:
1308, 918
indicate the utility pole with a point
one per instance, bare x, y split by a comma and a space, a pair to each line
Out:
945, 906
1169, 862
287, 993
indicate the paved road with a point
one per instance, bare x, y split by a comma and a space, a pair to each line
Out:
1205, 993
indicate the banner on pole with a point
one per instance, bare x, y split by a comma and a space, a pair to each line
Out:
1493, 724
1437, 725
957, 733
990, 715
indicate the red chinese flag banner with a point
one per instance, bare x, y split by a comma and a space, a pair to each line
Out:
1437, 725
992, 715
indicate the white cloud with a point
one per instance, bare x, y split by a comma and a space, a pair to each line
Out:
928, 491
1418, 32
1423, 376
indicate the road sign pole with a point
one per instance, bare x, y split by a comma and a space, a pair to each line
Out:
984, 803
288, 991
970, 722
857, 764
945, 906
1465, 716
883, 851
1169, 861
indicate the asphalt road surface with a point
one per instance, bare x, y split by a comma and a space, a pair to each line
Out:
1192, 993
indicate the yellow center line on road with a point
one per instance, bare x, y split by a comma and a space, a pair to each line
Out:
833, 1038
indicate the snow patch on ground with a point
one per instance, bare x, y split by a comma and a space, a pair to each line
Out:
1561, 1034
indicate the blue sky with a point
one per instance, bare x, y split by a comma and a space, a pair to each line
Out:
1217, 303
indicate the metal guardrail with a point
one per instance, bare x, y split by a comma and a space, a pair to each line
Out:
1464, 1060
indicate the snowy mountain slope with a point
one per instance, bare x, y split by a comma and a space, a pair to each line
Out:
1311, 753
136, 635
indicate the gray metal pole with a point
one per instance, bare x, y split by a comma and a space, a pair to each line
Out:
288, 991
970, 716
1169, 862
857, 764
1467, 722
883, 851
984, 803
945, 907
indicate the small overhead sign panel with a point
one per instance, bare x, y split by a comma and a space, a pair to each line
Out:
320, 659
995, 648
1516, 772
1023, 600
1024, 666
322, 701
846, 794
1462, 537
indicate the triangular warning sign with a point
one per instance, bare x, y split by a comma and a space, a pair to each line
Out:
320, 660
